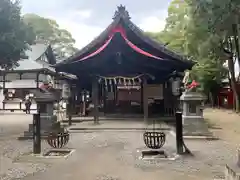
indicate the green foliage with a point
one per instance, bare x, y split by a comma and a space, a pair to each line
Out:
48, 30
187, 32
14, 34
220, 21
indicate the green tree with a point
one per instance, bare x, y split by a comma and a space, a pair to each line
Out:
183, 35
48, 30
220, 19
14, 34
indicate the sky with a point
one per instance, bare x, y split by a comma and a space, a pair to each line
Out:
86, 19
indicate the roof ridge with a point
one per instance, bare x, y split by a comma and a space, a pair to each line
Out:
121, 12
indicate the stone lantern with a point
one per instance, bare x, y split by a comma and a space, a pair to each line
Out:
176, 85
192, 113
45, 105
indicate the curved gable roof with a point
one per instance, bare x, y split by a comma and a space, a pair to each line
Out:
122, 15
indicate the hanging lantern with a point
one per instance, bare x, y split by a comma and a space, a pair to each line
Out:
176, 83
66, 92
10, 94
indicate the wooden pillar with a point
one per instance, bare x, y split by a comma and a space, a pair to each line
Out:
179, 133
145, 100
84, 102
36, 134
37, 80
142, 110
104, 100
69, 110
71, 105
4, 80
95, 100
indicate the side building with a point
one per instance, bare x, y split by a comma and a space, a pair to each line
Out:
29, 76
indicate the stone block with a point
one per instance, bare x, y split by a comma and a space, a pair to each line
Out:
46, 125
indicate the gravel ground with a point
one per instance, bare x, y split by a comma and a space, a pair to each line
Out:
110, 155
11, 127
115, 156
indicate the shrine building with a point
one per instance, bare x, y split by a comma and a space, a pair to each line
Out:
126, 72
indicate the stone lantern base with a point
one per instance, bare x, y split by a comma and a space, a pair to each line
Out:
193, 121
195, 126
46, 125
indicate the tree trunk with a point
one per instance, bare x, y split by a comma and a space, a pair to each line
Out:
232, 77
233, 83
236, 41
211, 99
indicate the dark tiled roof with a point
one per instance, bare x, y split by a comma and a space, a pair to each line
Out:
122, 15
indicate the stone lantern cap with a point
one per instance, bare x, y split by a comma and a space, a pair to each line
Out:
192, 96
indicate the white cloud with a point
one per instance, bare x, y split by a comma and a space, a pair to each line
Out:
84, 14
78, 17
75, 22
82, 33
152, 24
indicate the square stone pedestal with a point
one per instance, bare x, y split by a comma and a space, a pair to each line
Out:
195, 126
193, 121
46, 123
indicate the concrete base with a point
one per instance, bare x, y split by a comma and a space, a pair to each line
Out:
195, 126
